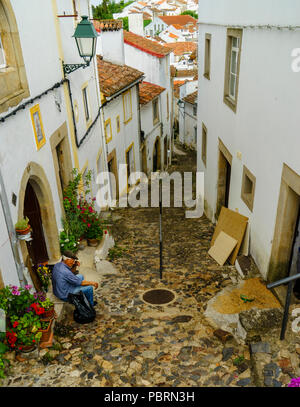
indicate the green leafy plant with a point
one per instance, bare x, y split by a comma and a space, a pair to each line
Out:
23, 331
22, 224
47, 304
15, 300
237, 361
116, 252
67, 242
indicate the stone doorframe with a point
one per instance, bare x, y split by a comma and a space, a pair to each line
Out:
37, 177
228, 156
61, 136
286, 219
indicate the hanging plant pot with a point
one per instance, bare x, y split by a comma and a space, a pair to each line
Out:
23, 231
93, 242
46, 332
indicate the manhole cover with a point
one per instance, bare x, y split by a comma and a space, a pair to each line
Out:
181, 318
158, 296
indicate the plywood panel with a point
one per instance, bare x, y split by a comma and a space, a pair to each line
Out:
234, 225
222, 248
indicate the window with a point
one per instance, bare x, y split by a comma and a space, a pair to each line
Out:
13, 79
118, 124
108, 132
86, 104
155, 111
233, 52
207, 56
248, 188
204, 144
37, 126
127, 106
2, 55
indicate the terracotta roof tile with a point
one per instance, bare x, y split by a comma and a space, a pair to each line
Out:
181, 20
148, 91
171, 35
180, 48
145, 45
113, 77
108, 25
191, 98
181, 73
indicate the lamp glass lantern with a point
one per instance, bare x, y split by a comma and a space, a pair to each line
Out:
86, 39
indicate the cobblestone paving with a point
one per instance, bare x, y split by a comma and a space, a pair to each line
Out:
132, 343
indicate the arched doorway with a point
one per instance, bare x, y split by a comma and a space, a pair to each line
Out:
156, 156
36, 201
37, 248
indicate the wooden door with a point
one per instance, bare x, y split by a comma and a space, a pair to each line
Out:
37, 248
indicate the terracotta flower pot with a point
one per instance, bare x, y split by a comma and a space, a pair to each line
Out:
46, 332
49, 314
93, 242
27, 348
23, 231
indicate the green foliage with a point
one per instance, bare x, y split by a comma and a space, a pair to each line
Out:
24, 330
125, 23
22, 224
106, 10
116, 252
237, 361
3, 360
146, 22
190, 13
47, 304
14, 300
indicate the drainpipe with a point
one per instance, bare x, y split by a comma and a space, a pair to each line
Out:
11, 231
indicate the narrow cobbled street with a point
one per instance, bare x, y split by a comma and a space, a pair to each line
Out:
132, 343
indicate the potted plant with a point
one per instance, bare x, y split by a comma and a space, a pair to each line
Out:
44, 274
23, 332
45, 330
48, 306
22, 226
94, 232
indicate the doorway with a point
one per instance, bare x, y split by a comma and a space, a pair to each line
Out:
156, 156
144, 159
112, 169
166, 152
223, 182
286, 242
37, 248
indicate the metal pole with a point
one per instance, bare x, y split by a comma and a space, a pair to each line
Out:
286, 310
160, 227
283, 281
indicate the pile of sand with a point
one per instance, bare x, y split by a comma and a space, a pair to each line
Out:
254, 288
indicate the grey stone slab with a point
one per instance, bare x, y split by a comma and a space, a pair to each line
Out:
260, 347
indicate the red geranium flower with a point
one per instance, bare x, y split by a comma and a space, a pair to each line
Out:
15, 324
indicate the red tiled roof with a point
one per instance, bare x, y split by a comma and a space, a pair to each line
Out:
171, 35
148, 91
181, 20
180, 48
191, 98
113, 77
182, 73
145, 45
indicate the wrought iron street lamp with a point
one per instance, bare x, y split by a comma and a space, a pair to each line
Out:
86, 39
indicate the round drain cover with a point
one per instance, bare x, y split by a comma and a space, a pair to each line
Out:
158, 296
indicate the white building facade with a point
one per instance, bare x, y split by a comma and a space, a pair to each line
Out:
248, 123
46, 124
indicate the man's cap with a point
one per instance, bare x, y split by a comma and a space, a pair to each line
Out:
71, 255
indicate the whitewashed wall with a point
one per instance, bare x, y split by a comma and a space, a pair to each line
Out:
265, 128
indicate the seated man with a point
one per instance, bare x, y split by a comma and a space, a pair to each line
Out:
64, 281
